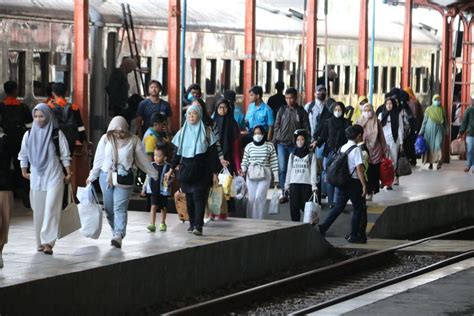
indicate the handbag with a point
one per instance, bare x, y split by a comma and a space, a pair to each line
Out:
69, 221
458, 147
256, 172
121, 177
273, 207
403, 165
311, 209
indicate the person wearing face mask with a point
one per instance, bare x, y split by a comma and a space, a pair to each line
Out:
302, 174
434, 129
317, 112
118, 153
333, 137
392, 125
374, 140
259, 154
46, 160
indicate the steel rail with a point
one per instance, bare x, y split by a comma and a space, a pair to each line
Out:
347, 267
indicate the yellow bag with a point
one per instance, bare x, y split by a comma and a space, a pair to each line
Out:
225, 180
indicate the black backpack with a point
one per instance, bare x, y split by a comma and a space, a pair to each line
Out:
67, 124
337, 171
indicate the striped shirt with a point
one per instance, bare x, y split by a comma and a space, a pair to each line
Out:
264, 155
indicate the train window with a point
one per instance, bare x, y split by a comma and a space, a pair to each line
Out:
376, 79
40, 74
211, 76
62, 70
335, 83
16, 70
393, 77
426, 75
384, 79
268, 77
225, 76
162, 74
347, 79
293, 75
280, 66
196, 70
145, 67
239, 76
417, 79
356, 80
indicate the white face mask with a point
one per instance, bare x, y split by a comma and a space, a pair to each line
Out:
337, 114
300, 143
367, 115
257, 138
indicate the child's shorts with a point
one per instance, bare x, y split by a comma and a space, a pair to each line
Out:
158, 199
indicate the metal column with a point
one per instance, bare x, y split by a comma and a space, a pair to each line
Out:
174, 21
80, 162
363, 48
249, 61
466, 64
406, 64
311, 49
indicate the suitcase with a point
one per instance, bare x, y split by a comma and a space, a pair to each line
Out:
180, 204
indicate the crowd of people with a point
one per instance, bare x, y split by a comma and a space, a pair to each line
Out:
283, 143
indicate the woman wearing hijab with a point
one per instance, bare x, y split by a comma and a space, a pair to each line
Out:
392, 125
333, 136
257, 155
301, 174
433, 129
118, 155
374, 140
47, 179
196, 155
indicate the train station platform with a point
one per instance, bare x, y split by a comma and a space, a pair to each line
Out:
86, 276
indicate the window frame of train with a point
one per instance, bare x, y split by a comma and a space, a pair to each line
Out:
280, 67
425, 80
62, 64
335, 86
347, 80
239, 76
393, 77
384, 80
145, 68
226, 74
17, 69
268, 77
376, 80
293, 74
211, 75
162, 67
195, 64
40, 65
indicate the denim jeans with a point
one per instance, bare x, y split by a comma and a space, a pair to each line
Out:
283, 152
353, 192
327, 187
116, 205
470, 151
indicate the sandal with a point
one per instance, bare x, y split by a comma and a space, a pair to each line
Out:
48, 250
40, 248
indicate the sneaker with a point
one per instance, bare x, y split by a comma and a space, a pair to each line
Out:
430, 166
197, 231
396, 182
369, 197
208, 219
389, 188
190, 229
466, 170
151, 228
48, 249
356, 240
162, 227
116, 242
283, 199
1, 261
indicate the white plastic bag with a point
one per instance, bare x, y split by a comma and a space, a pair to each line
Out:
274, 202
225, 180
239, 187
311, 210
85, 195
90, 215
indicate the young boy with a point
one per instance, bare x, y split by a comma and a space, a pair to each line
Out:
158, 191
301, 175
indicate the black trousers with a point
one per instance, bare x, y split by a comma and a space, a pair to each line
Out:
373, 175
299, 195
196, 204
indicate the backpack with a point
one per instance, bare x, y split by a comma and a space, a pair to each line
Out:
337, 171
66, 123
55, 138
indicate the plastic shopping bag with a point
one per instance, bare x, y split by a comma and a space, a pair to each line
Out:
216, 203
90, 215
274, 202
85, 194
225, 179
387, 174
420, 145
311, 210
240, 187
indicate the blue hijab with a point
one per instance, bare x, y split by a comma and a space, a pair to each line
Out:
191, 139
39, 155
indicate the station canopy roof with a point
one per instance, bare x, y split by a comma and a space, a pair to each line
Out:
273, 16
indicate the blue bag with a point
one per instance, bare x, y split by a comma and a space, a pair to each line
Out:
420, 145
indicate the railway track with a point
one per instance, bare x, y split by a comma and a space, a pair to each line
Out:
320, 288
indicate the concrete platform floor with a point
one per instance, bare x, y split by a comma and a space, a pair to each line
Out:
447, 291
